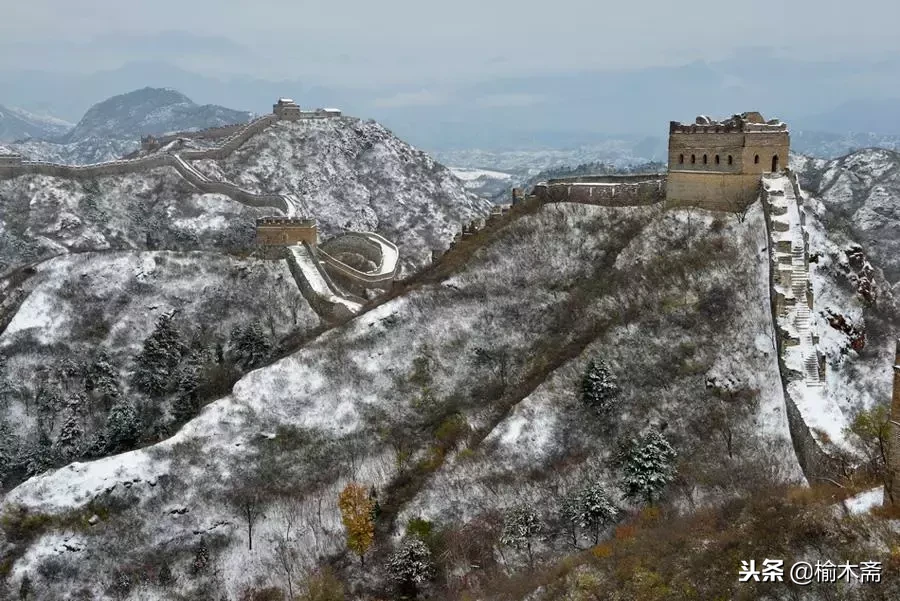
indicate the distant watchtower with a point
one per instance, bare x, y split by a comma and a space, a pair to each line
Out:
287, 109
718, 164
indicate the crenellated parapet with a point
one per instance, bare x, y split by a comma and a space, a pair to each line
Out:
604, 190
286, 231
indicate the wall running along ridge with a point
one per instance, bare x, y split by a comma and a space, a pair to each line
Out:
610, 191
285, 203
372, 246
323, 295
800, 363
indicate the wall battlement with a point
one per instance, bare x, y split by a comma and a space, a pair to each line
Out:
749, 122
286, 231
607, 190
151, 142
608, 178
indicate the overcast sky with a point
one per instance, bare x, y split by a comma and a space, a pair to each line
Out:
421, 42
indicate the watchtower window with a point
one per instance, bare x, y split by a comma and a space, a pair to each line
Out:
704, 159
681, 158
693, 158
775, 163
717, 159
730, 160
756, 160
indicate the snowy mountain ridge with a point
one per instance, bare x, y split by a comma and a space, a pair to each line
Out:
114, 127
458, 401
16, 124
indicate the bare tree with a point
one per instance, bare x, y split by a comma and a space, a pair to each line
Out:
287, 560
739, 203
290, 513
247, 500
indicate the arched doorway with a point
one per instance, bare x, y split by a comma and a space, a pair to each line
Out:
775, 163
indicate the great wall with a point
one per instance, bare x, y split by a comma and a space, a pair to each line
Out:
719, 166
724, 166
304, 258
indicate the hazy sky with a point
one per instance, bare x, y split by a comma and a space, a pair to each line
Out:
420, 42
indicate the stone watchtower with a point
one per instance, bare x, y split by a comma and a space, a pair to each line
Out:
286, 109
718, 164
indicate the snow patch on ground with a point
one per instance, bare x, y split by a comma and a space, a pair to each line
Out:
467, 174
864, 502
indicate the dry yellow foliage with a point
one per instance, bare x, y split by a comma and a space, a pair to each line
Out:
356, 514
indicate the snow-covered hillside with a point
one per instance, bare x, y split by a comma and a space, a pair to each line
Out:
356, 175
80, 310
113, 128
485, 183
525, 162
451, 375
83, 152
16, 124
860, 192
853, 221
178, 423
41, 216
150, 111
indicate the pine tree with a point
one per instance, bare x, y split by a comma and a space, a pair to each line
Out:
356, 515
649, 466
411, 565
69, 440
201, 558
521, 525
250, 345
39, 456
187, 383
101, 379
122, 427
121, 584
25, 588
49, 402
595, 509
9, 447
599, 389
160, 355
164, 576
68, 373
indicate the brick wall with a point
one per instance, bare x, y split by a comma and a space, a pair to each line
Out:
715, 191
605, 194
286, 234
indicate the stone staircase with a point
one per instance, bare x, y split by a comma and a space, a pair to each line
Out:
803, 318
792, 268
